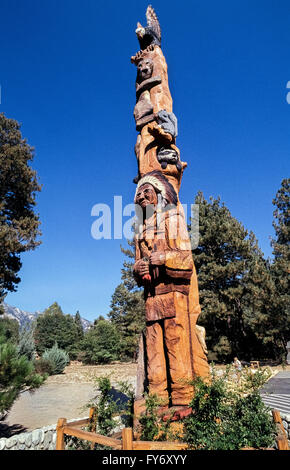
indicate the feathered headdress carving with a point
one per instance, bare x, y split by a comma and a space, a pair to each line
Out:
161, 185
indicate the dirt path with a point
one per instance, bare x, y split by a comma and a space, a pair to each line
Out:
64, 395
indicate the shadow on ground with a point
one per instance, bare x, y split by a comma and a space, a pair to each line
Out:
9, 431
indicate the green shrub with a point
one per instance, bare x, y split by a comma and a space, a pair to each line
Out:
17, 374
253, 380
43, 366
223, 420
58, 359
107, 405
223, 417
149, 422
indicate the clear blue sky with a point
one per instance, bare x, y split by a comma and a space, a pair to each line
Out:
66, 76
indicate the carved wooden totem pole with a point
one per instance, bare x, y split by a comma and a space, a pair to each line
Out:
174, 346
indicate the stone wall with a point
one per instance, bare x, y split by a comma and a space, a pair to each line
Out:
38, 439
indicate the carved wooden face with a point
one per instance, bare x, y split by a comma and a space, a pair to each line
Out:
144, 69
146, 195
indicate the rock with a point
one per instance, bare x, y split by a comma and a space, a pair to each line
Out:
22, 437
35, 437
15, 447
28, 441
41, 435
11, 442
47, 439
3, 443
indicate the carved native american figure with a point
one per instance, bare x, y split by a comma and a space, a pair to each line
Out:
175, 350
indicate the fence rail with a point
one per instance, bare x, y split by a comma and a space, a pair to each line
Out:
127, 442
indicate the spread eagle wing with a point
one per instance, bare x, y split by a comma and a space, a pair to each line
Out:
152, 22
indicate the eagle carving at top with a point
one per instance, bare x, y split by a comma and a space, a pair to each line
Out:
151, 34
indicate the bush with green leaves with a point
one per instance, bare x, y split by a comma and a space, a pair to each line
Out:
43, 366
223, 417
58, 358
150, 426
253, 379
106, 407
109, 403
226, 420
17, 374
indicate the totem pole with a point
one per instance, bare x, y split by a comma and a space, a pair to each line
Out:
174, 350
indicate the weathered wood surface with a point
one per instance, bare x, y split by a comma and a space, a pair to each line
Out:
60, 434
93, 437
80, 422
156, 445
127, 439
282, 438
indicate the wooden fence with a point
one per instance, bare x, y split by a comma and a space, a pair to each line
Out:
126, 441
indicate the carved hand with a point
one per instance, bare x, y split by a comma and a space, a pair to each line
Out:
157, 258
142, 268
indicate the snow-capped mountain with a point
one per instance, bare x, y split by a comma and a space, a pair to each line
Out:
25, 318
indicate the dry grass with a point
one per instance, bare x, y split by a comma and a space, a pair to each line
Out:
77, 372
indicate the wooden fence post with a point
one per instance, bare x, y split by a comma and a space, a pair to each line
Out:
59, 434
282, 439
127, 439
282, 443
93, 425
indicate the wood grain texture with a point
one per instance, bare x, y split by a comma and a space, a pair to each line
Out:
127, 439
93, 437
60, 434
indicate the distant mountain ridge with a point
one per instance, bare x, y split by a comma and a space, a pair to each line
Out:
24, 318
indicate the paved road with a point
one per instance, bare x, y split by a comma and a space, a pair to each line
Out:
276, 392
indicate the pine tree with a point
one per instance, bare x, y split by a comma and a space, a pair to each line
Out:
258, 300
280, 320
9, 329
26, 344
225, 261
101, 344
18, 186
128, 308
17, 374
55, 327
79, 326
